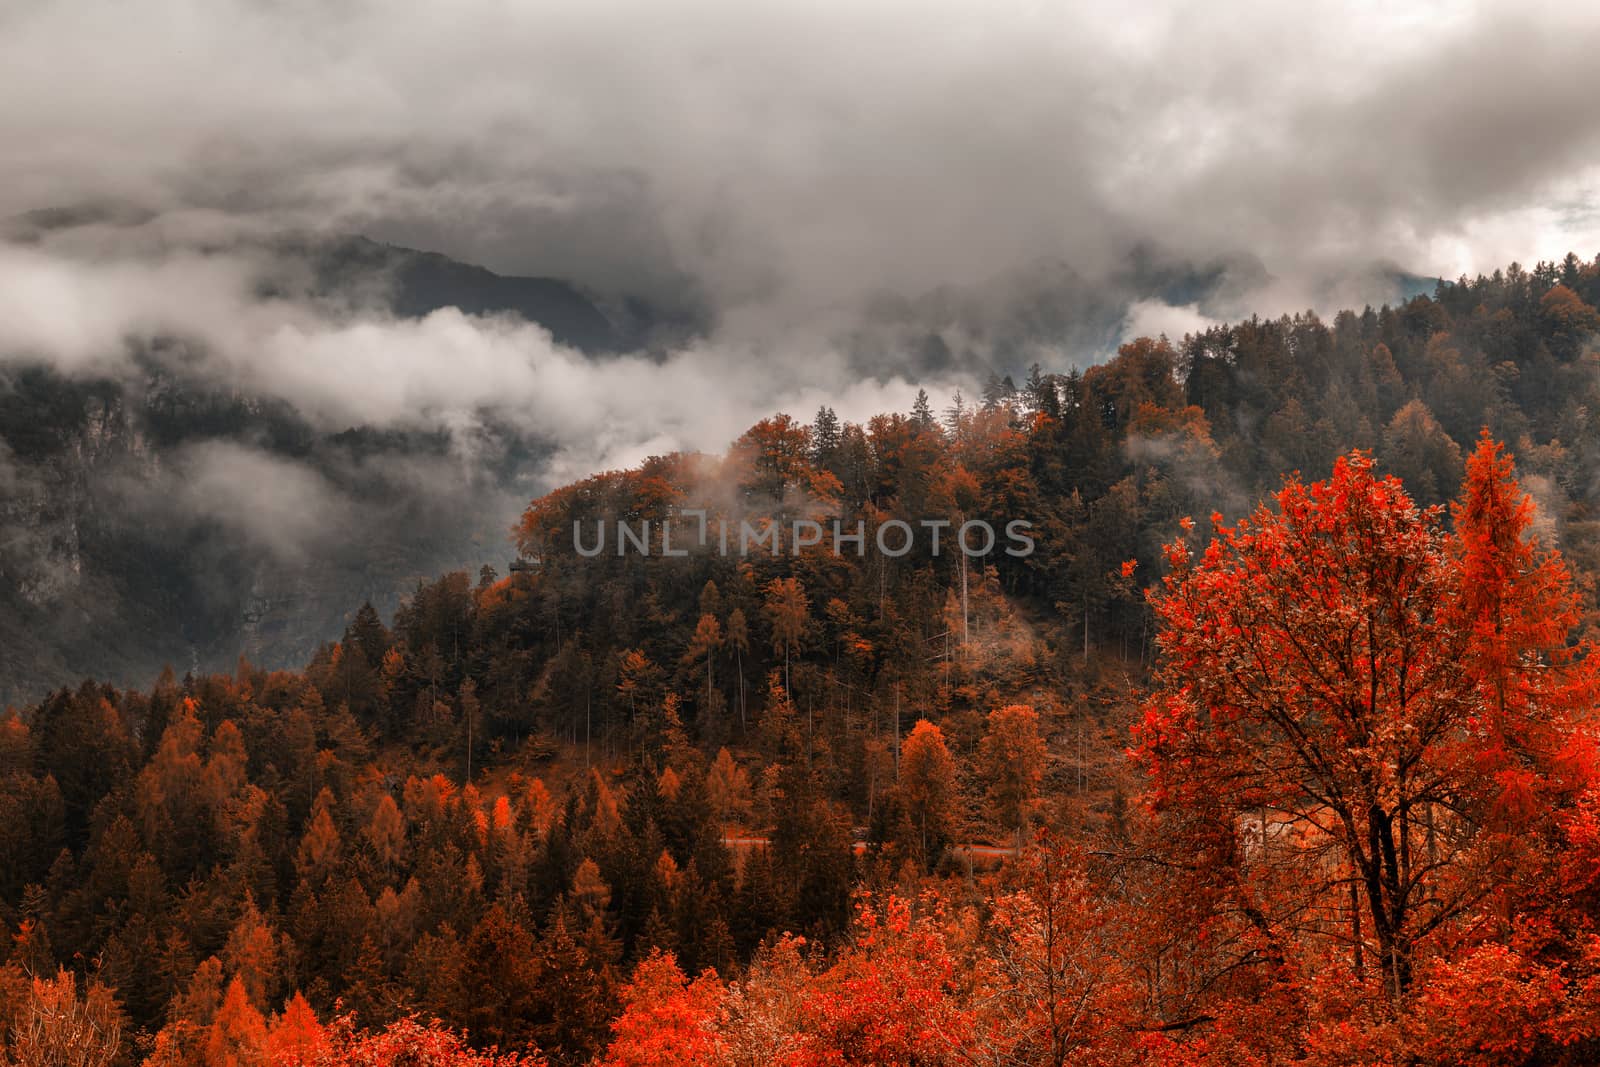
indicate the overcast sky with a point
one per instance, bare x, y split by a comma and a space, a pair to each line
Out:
803, 152
781, 160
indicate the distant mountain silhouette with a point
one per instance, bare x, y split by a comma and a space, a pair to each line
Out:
425, 282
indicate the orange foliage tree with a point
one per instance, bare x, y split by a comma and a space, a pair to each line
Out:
1012, 756
1059, 988
892, 997
408, 1042
1366, 728
667, 1019
928, 788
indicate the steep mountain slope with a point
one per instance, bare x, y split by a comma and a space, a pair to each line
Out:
167, 514
142, 514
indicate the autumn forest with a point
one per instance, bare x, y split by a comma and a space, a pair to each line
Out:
1281, 747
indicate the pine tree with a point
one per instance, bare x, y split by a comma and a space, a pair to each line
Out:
578, 993
956, 417
825, 437
506, 981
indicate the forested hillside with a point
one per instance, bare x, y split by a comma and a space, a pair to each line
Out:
1228, 770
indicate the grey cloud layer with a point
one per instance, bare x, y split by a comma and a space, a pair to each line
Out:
94, 317
785, 158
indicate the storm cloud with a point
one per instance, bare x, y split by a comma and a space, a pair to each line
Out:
781, 160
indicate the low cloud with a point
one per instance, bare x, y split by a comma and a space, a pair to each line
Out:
266, 501
201, 319
1152, 318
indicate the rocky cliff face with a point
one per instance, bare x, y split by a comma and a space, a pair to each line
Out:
60, 444
129, 537
153, 519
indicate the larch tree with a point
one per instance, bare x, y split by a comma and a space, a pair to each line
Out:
727, 788
254, 953
738, 638
238, 1034
386, 833
320, 849
787, 611
703, 645
928, 786
296, 1038
1012, 756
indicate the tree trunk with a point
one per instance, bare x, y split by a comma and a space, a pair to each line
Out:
965, 632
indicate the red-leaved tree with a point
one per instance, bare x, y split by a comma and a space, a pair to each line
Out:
1366, 727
